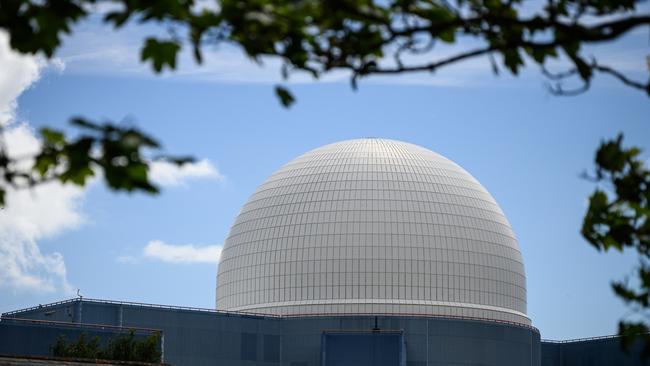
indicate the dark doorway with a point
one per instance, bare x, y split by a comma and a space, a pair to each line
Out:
359, 348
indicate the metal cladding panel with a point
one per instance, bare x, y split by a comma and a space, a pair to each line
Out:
462, 342
373, 226
428, 341
198, 338
362, 349
592, 352
36, 339
201, 337
60, 312
98, 313
551, 355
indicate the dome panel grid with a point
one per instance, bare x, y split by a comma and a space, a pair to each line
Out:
373, 226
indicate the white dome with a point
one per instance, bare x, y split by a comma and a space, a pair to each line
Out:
372, 226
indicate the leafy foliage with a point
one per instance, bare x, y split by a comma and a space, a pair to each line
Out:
160, 53
364, 37
37, 26
81, 348
115, 152
122, 348
619, 218
285, 96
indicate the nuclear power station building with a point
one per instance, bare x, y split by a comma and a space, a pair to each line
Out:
362, 252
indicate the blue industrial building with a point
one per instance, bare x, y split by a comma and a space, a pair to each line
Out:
363, 252
208, 337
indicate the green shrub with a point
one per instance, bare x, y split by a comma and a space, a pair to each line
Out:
121, 348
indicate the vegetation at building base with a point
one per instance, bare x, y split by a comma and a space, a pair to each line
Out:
363, 37
120, 348
618, 218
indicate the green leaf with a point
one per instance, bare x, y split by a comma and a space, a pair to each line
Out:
78, 175
285, 96
436, 14
539, 54
137, 172
118, 18
160, 53
629, 332
610, 156
512, 60
448, 35
44, 162
52, 136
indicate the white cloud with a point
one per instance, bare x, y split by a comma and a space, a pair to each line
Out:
168, 174
93, 50
187, 253
200, 5
42, 212
18, 72
52, 209
127, 259
30, 215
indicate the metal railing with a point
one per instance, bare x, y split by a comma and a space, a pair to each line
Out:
364, 331
81, 325
130, 303
453, 317
9, 315
40, 306
575, 340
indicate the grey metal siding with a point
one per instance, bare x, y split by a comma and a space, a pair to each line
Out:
196, 338
591, 352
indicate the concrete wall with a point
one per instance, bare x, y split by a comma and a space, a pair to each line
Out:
193, 337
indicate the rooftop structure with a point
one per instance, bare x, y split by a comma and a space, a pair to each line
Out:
373, 226
366, 252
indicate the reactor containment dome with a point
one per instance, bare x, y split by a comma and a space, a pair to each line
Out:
372, 226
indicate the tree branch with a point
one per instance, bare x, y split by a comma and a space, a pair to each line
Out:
624, 79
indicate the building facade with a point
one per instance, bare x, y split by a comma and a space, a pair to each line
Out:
210, 337
362, 252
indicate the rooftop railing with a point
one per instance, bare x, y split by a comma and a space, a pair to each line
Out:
575, 340
80, 325
129, 303
11, 314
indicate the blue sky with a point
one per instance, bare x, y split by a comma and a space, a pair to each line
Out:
524, 145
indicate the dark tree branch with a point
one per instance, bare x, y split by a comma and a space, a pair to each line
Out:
556, 76
624, 79
557, 89
433, 66
560, 76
